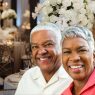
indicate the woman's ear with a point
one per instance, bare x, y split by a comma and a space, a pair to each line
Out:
94, 58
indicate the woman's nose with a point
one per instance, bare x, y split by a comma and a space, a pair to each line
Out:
74, 56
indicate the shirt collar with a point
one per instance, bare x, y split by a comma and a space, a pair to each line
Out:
68, 90
61, 73
36, 73
90, 82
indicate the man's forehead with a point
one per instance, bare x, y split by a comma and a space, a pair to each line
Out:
43, 42
42, 30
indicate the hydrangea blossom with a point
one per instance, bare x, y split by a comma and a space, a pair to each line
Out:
27, 13
66, 12
10, 13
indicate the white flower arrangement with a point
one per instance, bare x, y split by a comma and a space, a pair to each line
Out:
66, 12
26, 14
26, 23
9, 13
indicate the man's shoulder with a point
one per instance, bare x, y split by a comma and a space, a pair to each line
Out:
61, 72
32, 71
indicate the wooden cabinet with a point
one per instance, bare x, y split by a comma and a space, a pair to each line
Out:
6, 69
6, 61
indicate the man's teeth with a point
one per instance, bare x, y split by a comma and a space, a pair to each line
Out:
43, 59
75, 67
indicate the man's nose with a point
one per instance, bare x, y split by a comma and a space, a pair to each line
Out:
42, 50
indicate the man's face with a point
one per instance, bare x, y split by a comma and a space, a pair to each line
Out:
46, 50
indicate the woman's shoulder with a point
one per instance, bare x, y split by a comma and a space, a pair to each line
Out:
67, 91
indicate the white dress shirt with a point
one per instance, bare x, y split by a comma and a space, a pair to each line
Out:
33, 83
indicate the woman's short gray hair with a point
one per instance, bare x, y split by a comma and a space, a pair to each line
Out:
47, 26
77, 31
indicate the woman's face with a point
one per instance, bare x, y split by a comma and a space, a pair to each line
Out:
78, 58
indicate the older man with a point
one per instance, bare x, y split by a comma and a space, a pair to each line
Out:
48, 77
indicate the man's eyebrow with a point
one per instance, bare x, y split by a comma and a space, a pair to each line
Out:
33, 43
48, 41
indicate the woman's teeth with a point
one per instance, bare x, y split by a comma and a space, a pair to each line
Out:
75, 67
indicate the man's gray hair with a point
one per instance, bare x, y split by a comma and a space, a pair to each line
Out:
77, 31
47, 26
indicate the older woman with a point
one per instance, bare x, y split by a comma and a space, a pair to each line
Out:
79, 60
